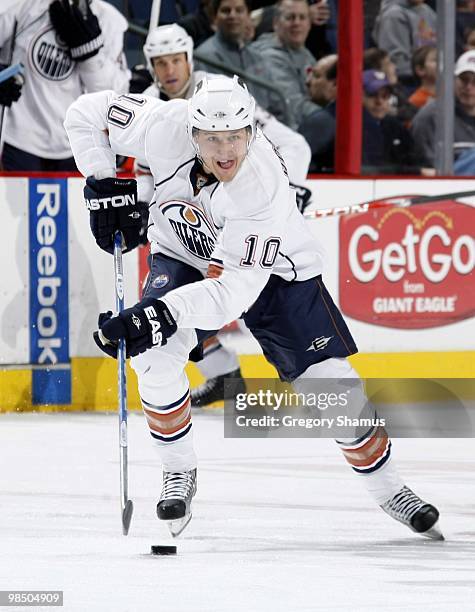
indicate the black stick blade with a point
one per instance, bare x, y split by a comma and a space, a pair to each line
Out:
127, 516
163, 550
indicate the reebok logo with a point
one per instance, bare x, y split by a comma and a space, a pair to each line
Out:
151, 315
319, 343
113, 202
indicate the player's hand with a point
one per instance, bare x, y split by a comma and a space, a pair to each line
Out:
147, 324
10, 90
79, 29
112, 203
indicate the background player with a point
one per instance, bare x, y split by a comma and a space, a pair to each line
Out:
222, 202
67, 48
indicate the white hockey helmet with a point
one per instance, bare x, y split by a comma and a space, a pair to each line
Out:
221, 104
165, 40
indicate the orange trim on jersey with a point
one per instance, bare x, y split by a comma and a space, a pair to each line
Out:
210, 342
214, 271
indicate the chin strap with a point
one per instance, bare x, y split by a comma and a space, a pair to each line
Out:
179, 94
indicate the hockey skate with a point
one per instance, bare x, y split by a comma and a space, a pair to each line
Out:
174, 505
407, 508
213, 390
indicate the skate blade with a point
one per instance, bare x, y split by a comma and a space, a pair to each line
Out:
434, 533
178, 525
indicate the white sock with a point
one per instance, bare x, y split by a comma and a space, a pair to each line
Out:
218, 360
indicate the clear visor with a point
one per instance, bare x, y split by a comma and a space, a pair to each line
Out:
222, 146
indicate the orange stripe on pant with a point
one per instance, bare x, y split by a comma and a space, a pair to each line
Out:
372, 450
170, 422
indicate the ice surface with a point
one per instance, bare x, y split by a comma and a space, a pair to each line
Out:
279, 525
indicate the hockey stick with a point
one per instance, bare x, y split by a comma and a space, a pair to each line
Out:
11, 71
126, 504
155, 15
398, 201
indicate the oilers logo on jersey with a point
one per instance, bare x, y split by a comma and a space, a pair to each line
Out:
191, 226
50, 56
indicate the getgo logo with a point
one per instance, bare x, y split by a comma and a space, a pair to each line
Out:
49, 318
409, 267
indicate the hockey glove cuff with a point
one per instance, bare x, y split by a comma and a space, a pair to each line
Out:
147, 324
112, 203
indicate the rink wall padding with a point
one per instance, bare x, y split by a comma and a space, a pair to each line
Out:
403, 278
94, 379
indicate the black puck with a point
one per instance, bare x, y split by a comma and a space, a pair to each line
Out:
163, 550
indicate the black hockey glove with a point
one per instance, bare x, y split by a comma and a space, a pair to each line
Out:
10, 90
112, 203
147, 324
78, 29
302, 195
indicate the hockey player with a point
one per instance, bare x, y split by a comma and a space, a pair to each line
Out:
223, 209
168, 51
68, 47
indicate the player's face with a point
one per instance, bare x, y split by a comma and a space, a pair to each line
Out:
293, 23
172, 71
222, 152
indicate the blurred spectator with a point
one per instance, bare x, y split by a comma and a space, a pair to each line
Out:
424, 124
287, 58
66, 50
319, 128
386, 143
321, 86
320, 15
424, 65
229, 47
378, 59
199, 25
371, 10
464, 22
468, 40
401, 27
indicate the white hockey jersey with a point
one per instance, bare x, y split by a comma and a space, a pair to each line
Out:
248, 227
52, 79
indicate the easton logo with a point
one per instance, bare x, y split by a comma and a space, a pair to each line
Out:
136, 321
114, 202
319, 343
151, 315
50, 56
191, 226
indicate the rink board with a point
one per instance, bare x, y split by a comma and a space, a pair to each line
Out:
403, 279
